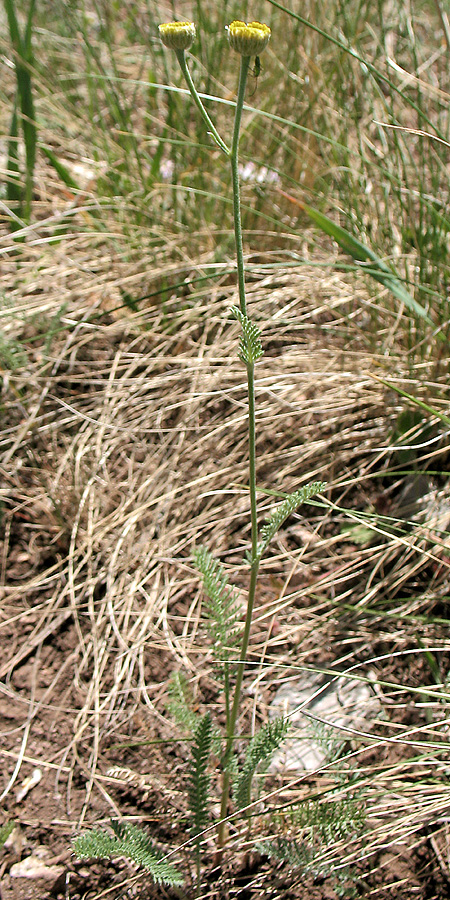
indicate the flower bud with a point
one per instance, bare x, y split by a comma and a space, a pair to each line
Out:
248, 39
177, 35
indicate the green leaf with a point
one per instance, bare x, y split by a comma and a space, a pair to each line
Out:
180, 703
223, 609
199, 779
5, 831
357, 534
131, 842
284, 510
13, 355
259, 753
60, 169
250, 349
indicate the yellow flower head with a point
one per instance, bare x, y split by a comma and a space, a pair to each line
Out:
248, 39
177, 35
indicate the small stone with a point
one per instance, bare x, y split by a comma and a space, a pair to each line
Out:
35, 868
28, 784
324, 711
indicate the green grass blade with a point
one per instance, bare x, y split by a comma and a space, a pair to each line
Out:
363, 255
420, 403
364, 61
60, 169
29, 31
23, 60
13, 186
28, 121
14, 31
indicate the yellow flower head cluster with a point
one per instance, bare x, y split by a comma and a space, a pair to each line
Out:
177, 35
248, 39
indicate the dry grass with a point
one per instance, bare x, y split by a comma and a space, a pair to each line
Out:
125, 445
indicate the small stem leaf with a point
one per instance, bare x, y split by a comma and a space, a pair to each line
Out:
250, 343
259, 752
284, 510
223, 609
181, 702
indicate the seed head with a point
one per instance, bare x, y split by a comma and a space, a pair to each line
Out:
177, 35
248, 39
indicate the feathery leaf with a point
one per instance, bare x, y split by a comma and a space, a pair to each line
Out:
316, 825
180, 702
284, 510
223, 609
250, 349
199, 780
258, 753
131, 842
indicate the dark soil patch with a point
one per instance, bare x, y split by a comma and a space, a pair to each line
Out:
45, 819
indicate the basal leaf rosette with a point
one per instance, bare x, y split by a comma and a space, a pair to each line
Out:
248, 38
177, 35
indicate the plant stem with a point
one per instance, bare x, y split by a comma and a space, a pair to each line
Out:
231, 718
182, 60
234, 157
236, 703
231, 724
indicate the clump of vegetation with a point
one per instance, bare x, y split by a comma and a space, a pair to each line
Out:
338, 203
223, 607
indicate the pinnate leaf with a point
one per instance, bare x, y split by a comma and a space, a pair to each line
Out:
284, 510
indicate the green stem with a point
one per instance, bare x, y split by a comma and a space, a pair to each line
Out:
232, 716
182, 60
236, 702
198, 869
231, 724
234, 156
